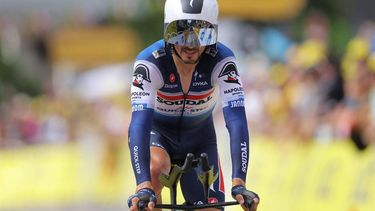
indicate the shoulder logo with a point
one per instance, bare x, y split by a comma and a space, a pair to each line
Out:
230, 71
212, 51
140, 75
158, 53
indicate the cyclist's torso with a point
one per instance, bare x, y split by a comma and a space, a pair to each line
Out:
161, 112
178, 115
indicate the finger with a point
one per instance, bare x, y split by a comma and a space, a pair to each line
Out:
241, 200
245, 208
134, 206
151, 205
254, 206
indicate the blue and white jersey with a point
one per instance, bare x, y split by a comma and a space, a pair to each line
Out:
159, 103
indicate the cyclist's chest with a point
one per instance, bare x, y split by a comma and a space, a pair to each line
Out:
192, 95
197, 81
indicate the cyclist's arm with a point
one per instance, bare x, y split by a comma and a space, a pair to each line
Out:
142, 100
232, 96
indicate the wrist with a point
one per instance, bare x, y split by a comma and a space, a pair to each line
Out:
146, 184
238, 181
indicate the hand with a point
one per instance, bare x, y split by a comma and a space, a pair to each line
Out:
249, 200
144, 198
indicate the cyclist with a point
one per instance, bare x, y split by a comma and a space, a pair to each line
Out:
173, 99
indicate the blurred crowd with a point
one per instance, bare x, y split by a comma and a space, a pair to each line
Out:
53, 120
308, 93
295, 89
52, 115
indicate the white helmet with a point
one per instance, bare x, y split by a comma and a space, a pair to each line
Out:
191, 22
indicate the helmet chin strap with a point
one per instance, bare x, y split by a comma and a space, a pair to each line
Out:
179, 56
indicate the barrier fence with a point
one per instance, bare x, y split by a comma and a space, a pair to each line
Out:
288, 177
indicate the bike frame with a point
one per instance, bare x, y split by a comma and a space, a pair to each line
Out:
207, 177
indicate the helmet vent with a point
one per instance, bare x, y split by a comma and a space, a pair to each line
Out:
192, 6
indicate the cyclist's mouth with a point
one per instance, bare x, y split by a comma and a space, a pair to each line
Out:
190, 51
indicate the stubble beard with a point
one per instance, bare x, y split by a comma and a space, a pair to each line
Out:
190, 56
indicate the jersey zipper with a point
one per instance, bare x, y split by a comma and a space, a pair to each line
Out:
180, 121
181, 118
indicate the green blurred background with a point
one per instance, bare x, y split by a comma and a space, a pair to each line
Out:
308, 68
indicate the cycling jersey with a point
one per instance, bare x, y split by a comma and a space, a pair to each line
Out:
185, 119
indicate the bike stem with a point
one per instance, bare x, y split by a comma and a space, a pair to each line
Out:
206, 177
172, 180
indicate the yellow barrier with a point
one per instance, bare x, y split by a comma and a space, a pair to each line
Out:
318, 177
38, 176
288, 177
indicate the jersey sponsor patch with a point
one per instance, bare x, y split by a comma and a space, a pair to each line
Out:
158, 53
188, 101
212, 200
199, 79
236, 103
199, 76
137, 165
230, 72
234, 91
200, 83
212, 51
172, 78
141, 74
170, 86
139, 107
139, 95
244, 156
192, 104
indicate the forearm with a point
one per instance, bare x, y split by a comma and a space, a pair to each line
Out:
240, 158
239, 141
139, 145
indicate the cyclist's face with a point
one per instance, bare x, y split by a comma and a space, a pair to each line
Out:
189, 55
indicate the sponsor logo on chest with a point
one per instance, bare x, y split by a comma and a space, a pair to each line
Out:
200, 83
182, 101
170, 86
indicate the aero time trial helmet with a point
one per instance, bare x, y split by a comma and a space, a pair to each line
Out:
191, 22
